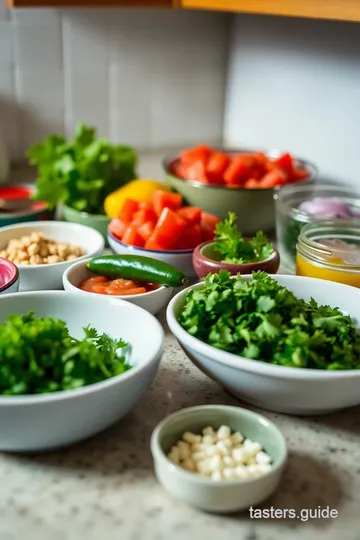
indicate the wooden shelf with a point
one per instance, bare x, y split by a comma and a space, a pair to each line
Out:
342, 10
91, 3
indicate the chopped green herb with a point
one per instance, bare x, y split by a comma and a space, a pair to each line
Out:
230, 243
37, 355
262, 320
81, 172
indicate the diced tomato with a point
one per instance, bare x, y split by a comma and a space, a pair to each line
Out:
127, 211
146, 230
101, 288
191, 214
121, 283
95, 280
126, 292
165, 199
132, 237
168, 229
285, 162
299, 174
117, 227
207, 232
190, 238
196, 172
199, 153
216, 167
239, 169
273, 179
145, 206
252, 183
180, 169
143, 215
209, 220
153, 245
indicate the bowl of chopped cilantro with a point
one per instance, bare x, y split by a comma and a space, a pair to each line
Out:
285, 343
232, 252
71, 366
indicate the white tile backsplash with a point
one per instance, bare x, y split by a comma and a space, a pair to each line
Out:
9, 111
149, 78
40, 105
4, 12
295, 85
131, 89
88, 100
6, 44
38, 45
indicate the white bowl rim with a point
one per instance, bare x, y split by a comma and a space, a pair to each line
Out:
120, 296
165, 252
35, 399
158, 452
61, 224
247, 364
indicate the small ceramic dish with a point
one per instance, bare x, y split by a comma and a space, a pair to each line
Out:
38, 211
49, 276
95, 221
222, 496
207, 260
181, 259
9, 277
152, 301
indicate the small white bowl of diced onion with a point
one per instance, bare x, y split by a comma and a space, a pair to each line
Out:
218, 458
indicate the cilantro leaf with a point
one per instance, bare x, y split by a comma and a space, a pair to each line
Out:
262, 320
80, 172
38, 355
230, 243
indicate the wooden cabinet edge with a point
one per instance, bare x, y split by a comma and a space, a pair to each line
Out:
341, 10
91, 3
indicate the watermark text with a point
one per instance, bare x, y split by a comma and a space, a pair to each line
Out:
305, 514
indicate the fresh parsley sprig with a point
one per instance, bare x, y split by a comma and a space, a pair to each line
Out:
230, 243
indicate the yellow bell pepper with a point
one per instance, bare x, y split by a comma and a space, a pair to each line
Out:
140, 190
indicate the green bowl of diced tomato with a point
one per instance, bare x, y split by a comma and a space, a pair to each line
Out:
241, 181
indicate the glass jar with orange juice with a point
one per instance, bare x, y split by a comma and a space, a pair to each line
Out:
330, 250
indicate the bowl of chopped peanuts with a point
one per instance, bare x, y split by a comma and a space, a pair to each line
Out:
42, 251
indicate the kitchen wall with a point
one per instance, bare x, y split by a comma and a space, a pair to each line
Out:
148, 78
295, 84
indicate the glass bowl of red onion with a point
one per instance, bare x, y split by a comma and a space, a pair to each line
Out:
297, 205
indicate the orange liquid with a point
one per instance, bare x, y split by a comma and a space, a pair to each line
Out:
309, 269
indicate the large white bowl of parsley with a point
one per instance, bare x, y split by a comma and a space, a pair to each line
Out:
71, 366
284, 343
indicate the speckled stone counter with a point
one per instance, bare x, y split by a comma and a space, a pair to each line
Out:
105, 488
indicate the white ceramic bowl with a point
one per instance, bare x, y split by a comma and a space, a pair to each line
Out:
49, 276
205, 493
289, 390
152, 301
181, 259
9, 277
48, 421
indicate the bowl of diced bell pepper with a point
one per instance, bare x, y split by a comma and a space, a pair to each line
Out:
163, 229
241, 181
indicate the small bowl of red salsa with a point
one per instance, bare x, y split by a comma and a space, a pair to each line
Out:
152, 297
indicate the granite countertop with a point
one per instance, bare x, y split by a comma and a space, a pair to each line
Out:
105, 488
